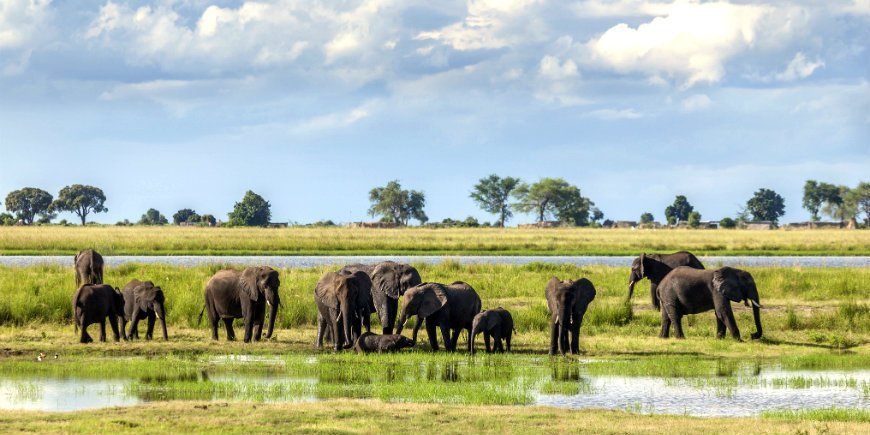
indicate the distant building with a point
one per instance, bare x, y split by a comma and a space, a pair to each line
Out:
372, 225
544, 224
759, 225
278, 224
813, 225
625, 224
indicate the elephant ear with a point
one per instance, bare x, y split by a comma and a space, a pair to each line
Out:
364, 295
249, 281
642, 265
727, 282
325, 290
385, 278
409, 278
550, 292
145, 293
433, 299
585, 291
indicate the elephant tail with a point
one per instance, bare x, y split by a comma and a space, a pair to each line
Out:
654, 294
198, 322
75, 308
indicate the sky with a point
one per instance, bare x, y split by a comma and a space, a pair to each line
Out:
189, 103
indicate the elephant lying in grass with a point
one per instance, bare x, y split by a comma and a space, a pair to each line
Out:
368, 342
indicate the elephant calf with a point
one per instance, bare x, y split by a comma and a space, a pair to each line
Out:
368, 342
93, 303
497, 323
143, 300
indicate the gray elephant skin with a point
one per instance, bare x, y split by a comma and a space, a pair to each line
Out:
567, 301
234, 294
390, 280
143, 300
89, 267
690, 291
448, 307
94, 303
342, 307
655, 267
496, 323
368, 342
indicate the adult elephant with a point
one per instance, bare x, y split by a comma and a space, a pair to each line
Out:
690, 291
233, 294
449, 307
338, 297
94, 303
143, 300
655, 267
89, 267
389, 281
567, 301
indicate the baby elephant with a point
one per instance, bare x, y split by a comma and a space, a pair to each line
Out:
368, 342
143, 300
93, 303
497, 323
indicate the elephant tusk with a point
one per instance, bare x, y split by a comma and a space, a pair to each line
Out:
268, 303
755, 304
557, 318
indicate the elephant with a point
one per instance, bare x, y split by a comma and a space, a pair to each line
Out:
342, 300
89, 267
567, 301
368, 342
142, 299
389, 281
450, 307
234, 294
655, 267
93, 303
690, 291
496, 322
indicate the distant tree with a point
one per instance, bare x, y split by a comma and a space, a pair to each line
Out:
124, 223
818, 194
859, 199
646, 218
396, 205
81, 200
694, 219
836, 206
28, 202
208, 220
492, 193
555, 197
185, 215
679, 210
7, 219
153, 217
728, 223
766, 205
322, 223
252, 211
470, 222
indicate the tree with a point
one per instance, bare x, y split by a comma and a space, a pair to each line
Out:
28, 202
816, 194
209, 220
728, 223
81, 200
153, 217
679, 210
492, 193
859, 199
694, 219
252, 211
646, 218
766, 205
185, 215
555, 197
396, 205
836, 206
7, 219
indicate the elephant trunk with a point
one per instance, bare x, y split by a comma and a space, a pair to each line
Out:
475, 329
564, 322
401, 324
347, 314
160, 311
273, 313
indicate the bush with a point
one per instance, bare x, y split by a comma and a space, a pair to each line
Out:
728, 223
694, 219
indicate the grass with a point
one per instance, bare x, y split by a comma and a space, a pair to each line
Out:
171, 240
826, 414
364, 416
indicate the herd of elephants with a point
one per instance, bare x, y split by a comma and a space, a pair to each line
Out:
345, 300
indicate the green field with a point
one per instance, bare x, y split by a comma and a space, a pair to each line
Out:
171, 240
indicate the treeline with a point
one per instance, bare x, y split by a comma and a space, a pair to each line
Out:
550, 200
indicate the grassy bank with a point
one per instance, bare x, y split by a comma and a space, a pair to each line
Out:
354, 416
171, 240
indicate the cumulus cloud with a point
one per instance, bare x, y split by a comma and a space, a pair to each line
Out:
800, 68
20, 21
620, 8
690, 44
488, 24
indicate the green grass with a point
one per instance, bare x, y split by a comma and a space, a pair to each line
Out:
826, 414
171, 240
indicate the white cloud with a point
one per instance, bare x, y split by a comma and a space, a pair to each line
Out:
333, 121
619, 8
614, 114
696, 102
799, 68
690, 44
21, 21
488, 24
550, 68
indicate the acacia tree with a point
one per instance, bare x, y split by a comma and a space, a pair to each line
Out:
679, 210
766, 205
253, 210
816, 194
185, 215
859, 199
555, 197
396, 205
28, 202
153, 217
80, 199
492, 193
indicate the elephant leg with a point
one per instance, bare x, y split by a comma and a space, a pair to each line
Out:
231, 335
321, 329
677, 321
445, 334
496, 342
486, 341
134, 325
337, 336
507, 340
575, 337
149, 333
731, 324
123, 322
720, 327
214, 328
432, 333
554, 337
666, 324
564, 346
103, 330
113, 322
392, 309
259, 320
454, 338
249, 325
85, 337
367, 322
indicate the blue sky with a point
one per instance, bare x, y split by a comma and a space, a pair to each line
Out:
189, 103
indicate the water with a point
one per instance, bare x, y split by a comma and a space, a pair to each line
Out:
747, 393
315, 261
